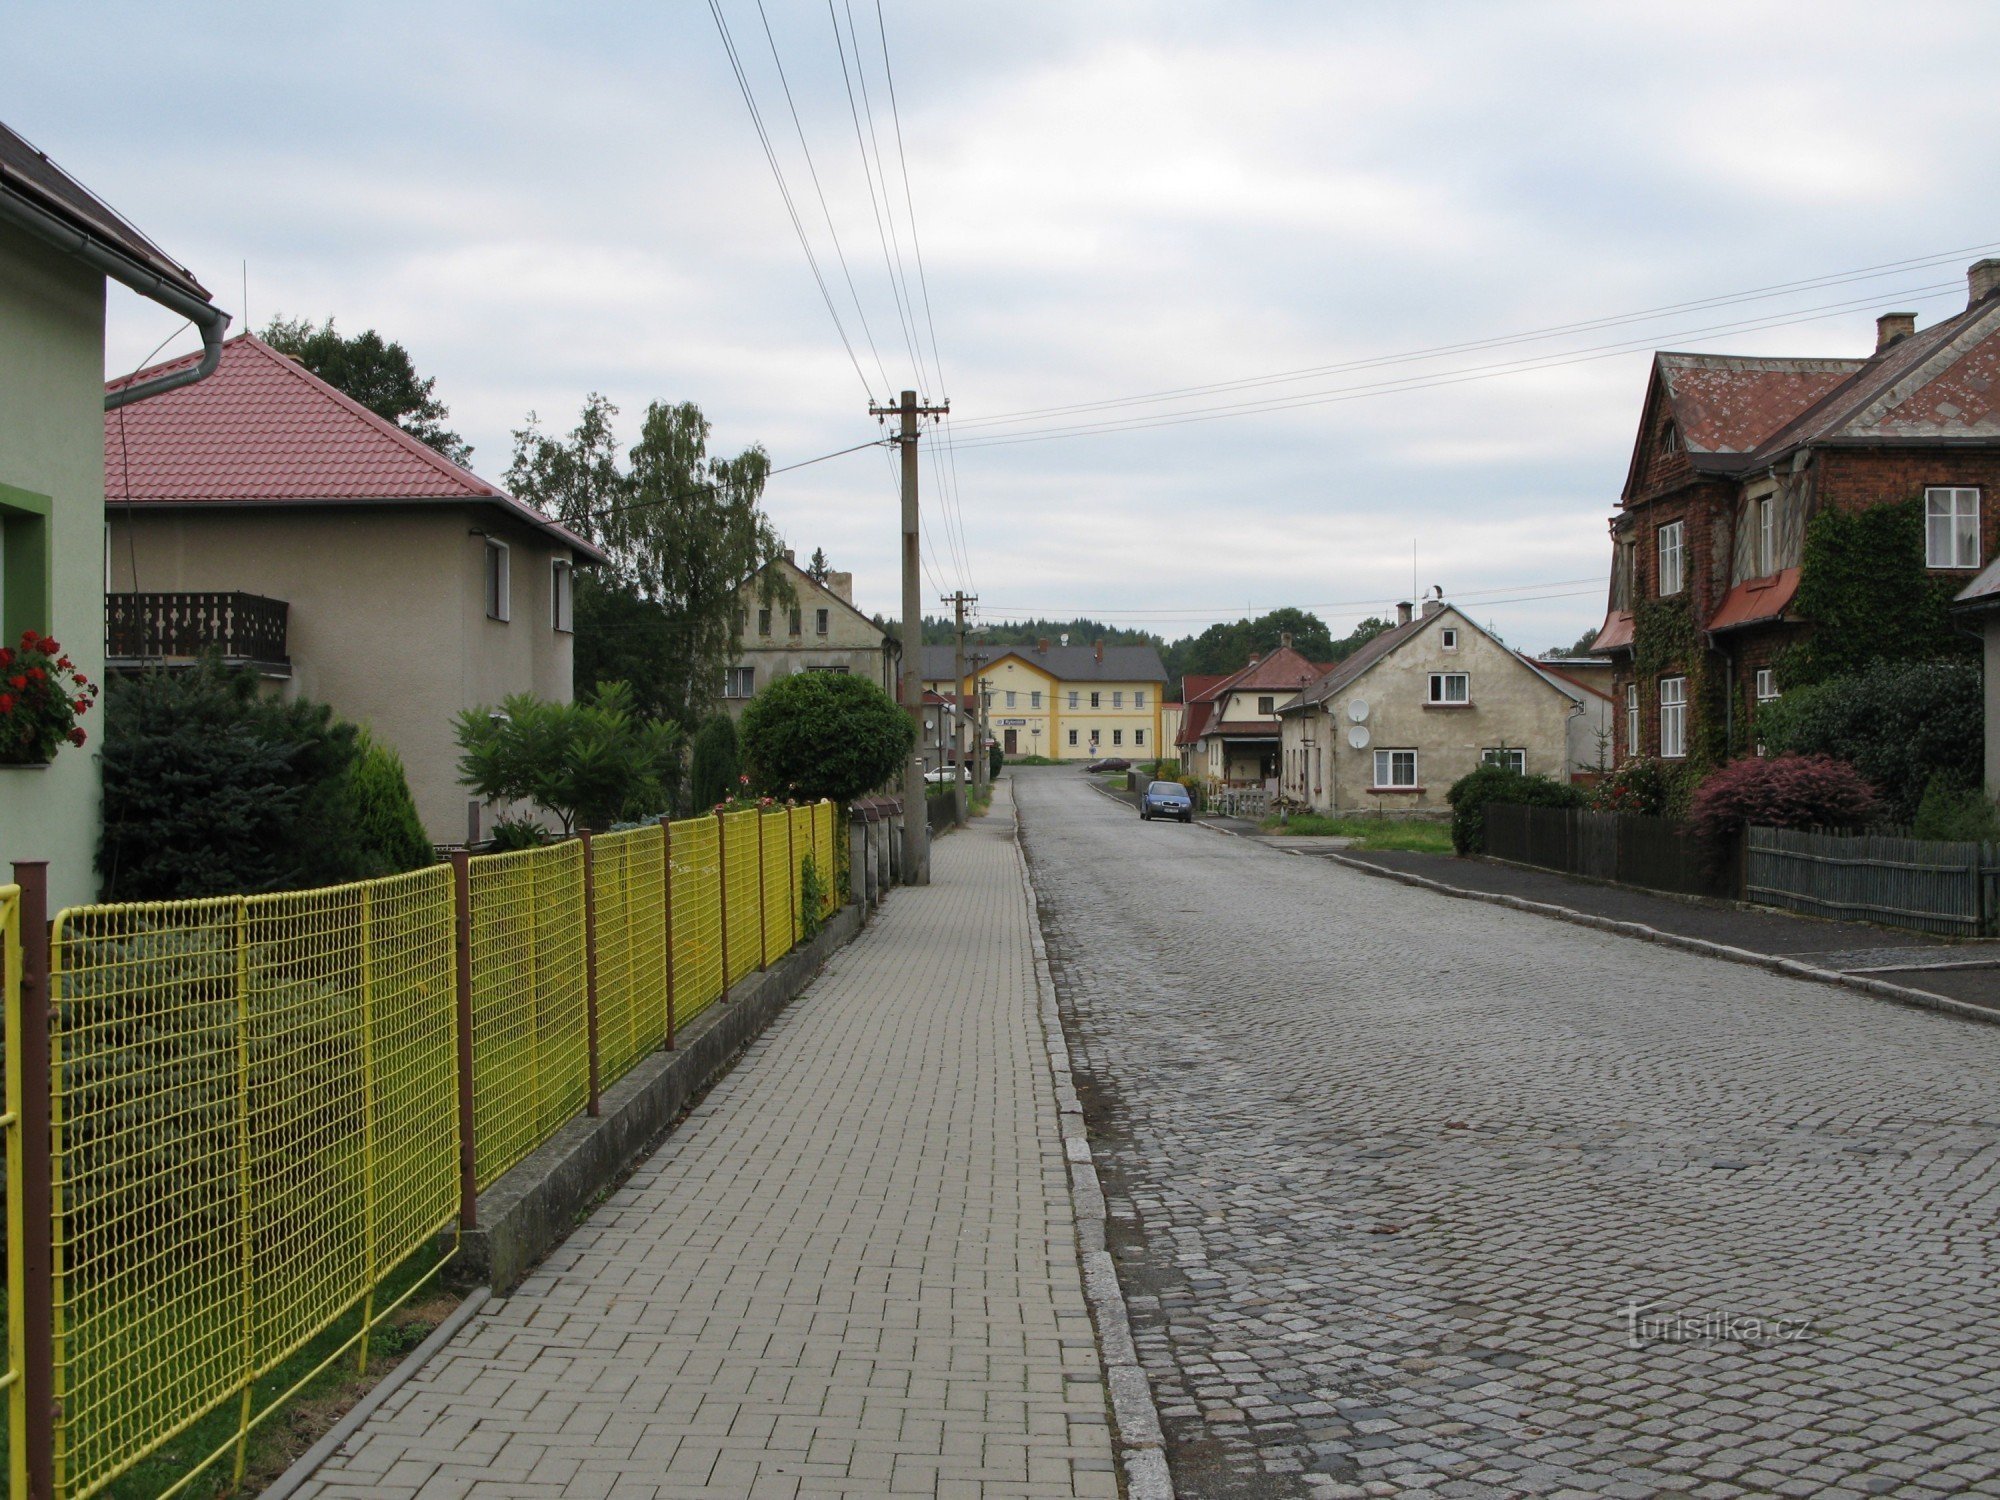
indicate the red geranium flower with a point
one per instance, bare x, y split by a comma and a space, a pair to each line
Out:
17, 683
6, 703
38, 674
77, 736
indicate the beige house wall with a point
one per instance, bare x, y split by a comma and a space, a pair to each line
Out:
851, 640
52, 447
388, 619
1511, 706
1133, 730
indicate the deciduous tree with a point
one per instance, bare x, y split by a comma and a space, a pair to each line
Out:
378, 374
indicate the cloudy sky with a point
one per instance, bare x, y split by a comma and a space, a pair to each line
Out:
1113, 200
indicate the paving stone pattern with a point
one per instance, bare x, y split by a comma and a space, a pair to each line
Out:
852, 1270
1386, 1170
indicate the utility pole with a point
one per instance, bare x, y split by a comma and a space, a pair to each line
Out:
916, 832
958, 601
981, 761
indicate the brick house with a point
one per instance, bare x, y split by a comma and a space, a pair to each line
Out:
1734, 457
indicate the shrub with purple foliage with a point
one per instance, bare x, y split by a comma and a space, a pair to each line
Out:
1788, 791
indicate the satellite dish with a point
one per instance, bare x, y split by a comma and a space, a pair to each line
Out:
1358, 736
1357, 710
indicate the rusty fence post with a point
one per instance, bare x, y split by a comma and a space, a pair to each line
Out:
37, 1248
590, 964
667, 903
468, 1156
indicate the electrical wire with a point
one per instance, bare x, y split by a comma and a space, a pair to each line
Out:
1865, 273
785, 192
1429, 382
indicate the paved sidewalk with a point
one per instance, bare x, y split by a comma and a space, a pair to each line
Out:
851, 1271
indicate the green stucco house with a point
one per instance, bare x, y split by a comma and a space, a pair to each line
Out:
58, 247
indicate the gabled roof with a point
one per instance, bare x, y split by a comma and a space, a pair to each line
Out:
1725, 405
790, 562
1284, 670
1064, 663
1348, 672
1195, 714
263, 430
28, 174
1938, 384
1197, 689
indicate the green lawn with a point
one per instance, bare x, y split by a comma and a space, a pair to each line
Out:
1369, 833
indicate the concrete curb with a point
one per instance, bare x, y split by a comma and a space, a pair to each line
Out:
536, 1202
307, 1463
1141, 1444
1791, 967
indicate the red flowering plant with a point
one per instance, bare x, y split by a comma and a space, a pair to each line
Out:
42, 695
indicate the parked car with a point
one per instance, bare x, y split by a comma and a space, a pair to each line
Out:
1113, 764
1166, 799
943, 774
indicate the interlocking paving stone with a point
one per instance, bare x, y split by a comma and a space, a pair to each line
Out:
851, 1271
1385, 1169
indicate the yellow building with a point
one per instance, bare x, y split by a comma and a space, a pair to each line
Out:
1064, 702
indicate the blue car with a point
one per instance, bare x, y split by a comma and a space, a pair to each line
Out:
1166, 799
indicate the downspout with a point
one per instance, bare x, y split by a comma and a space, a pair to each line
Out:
86, 247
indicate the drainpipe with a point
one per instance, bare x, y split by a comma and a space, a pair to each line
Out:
86, 247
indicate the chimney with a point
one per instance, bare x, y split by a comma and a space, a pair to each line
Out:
1099, 650
1285, 640
841, 586
1893, 326
791, 557
1432, 606
1403, 613
1042, 646
1983, 279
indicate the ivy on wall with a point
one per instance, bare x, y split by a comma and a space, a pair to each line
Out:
1667, 641
1868, 597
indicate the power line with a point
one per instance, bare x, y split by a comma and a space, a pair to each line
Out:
1814, 283
1474, 597
769, 474
791, 208
1427, 382
799, 126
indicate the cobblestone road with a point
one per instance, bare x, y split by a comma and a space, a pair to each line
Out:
1388, 1171
852, 1271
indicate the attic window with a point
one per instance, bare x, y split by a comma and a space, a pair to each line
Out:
1450, 638
499, 586
1670, 439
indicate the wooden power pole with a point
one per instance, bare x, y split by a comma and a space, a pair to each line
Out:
916, 832
959, 730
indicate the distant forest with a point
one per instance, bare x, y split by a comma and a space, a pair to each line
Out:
1220, 649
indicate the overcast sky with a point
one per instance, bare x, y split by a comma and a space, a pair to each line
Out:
1113, 200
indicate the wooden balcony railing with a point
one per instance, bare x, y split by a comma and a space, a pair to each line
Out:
247, 629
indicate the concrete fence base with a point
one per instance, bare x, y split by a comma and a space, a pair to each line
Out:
535, 1204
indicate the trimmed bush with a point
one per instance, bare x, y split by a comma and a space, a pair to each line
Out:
1469, 796
211, 789
824, 734
1789, 791
1902, 725
995, 759
389, 833
715, 762
1955, 813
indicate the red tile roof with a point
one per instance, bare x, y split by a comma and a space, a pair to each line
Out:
1756, 600
263, 430
1730, 403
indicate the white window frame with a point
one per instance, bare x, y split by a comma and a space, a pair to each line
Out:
1118, 699
1010, 697
796, 622
1672, 543
822, 618
1767, 536
499, 580
1513, 759
1449, 637
1767, 685
1072, 697
1035, 699
1138, 736
739, 682
1957, 542
1139, 698
1440, 689
1388, 759
1117, 736
1072, 736
1673, 718
1634, 732
562, 595
1094, 703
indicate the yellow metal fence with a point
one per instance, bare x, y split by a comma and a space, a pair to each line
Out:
255, 1102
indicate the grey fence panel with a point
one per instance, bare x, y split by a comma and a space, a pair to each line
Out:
1655, 853
1921, 884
